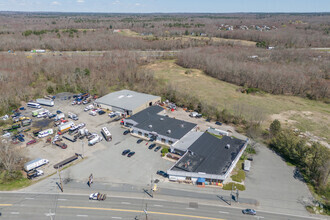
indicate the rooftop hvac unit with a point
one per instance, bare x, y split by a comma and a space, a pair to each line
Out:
228, 146
162, 119
168, 131
150, 126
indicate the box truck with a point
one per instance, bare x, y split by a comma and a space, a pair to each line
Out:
59, 116
33, 164
65, 127
36, 112
46, 102
95, 140
45, 133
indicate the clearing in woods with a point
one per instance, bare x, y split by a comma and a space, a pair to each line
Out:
290, 110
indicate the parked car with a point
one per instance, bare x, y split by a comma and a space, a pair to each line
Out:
31, 142
126, 132
51, 115
157, 148
125, 152
130, 154
249, 211
58, 112
112, 114
93, 113
139, 141
151, 146
20, 138
101, 112
218, 123
162, 173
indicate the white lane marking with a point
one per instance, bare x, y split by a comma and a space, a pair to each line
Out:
191, 208
158, 205
82, 215
14, 213
126, 203
223, 212
29, 198
62, 199
258, 216
116, 217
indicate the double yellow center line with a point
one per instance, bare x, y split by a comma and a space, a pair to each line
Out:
138, 211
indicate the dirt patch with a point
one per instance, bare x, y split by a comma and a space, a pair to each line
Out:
307, 124
44, 123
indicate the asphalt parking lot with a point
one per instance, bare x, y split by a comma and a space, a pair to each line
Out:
104, 159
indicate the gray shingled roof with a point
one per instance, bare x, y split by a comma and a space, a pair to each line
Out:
208, 154
126, 99
149, 120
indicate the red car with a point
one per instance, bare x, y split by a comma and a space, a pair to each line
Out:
31, 142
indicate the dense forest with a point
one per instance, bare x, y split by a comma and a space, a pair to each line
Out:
65, 31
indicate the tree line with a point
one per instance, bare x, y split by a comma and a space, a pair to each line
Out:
294, 72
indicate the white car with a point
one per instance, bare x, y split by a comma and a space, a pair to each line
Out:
93, 196
87, 108
81, 125
93, 113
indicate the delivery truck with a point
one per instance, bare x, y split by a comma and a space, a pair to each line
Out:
95, 140
59, 116
46, 102
45, 133
65, 127
36, 112
33, 164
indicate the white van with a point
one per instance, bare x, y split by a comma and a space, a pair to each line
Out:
33, 105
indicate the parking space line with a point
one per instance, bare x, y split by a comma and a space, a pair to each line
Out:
116, 217
223, 212
82, 215
190, 208
29, 198
158, 205
126, 203
62, 199
258, 216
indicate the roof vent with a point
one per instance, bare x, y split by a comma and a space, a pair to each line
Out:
121, 96
168, 131
129, 96
228, 146
162, 119
150, 126
182, 125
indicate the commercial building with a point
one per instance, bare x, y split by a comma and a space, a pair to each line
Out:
207, 159
126, 101
152, 123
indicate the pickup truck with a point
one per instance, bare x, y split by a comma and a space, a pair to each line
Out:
34, 173
97, 196
61, 144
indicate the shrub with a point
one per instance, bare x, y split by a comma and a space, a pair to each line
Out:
229, 186
165, 150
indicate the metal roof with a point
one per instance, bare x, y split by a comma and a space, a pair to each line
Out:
126, 99
151, 121
187, 140
209, 154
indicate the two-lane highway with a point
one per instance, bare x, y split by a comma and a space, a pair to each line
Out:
64, 206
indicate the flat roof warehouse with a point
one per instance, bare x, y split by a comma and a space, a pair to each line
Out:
127, 100
209, 157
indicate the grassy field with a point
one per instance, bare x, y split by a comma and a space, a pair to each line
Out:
184, 38
226, 95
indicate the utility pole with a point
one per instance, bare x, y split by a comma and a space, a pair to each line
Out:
82, 149
146, 211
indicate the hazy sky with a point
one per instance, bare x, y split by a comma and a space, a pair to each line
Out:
145, 6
